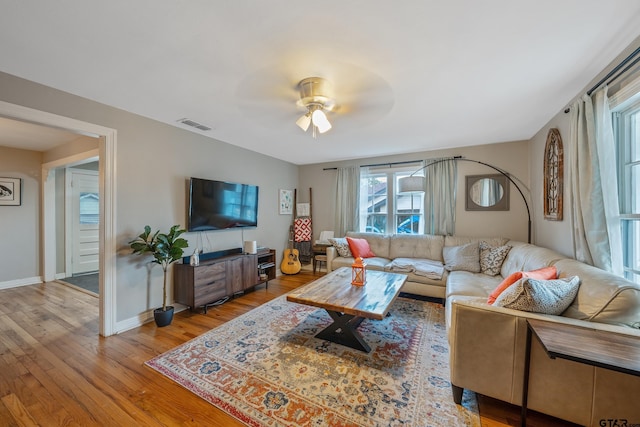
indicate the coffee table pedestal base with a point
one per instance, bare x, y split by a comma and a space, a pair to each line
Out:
343, 331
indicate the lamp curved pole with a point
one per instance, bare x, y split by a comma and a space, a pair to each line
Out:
456, 158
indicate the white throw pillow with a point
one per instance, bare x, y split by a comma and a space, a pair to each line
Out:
492, 257
465, 257
540, 296
342, 246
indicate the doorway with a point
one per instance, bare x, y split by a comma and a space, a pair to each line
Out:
107, 184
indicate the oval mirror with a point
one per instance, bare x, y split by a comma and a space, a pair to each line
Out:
486, 192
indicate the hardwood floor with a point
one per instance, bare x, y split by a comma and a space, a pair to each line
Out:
55, 370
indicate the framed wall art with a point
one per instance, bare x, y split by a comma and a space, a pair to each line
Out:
10, 191
553, 176
286, 202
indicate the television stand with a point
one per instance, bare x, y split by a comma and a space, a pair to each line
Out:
266, 265
221, 276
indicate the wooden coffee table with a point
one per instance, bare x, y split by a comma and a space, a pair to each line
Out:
347, 304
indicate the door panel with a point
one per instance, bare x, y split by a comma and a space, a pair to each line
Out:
85, 220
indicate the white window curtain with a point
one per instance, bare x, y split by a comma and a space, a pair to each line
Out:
363, 188
440, 196
592, 175
347, 200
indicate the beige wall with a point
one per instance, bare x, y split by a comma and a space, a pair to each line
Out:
551, 234
512, 157
153, 163
20, 225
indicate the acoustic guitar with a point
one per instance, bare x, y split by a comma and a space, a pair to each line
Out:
290, 261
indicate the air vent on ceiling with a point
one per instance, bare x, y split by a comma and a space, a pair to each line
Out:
194, 124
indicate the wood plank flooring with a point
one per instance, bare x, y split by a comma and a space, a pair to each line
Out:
55, 370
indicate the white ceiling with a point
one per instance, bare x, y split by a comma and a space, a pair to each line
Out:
409, 76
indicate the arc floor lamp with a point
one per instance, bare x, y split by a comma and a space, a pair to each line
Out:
413, 183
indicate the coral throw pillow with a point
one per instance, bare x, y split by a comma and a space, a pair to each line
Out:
546, 273
360, 248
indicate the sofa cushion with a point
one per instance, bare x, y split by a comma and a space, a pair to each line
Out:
540, 296
602, 297
463, 240
479, 285
527, 257
379, 243
374, 263
545, 273
341, 245
425, 246
465, 257
416, 278
360, 248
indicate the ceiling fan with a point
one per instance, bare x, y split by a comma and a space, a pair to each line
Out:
276, 97
316, 95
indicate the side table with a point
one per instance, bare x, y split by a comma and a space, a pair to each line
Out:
319, 254
603, 349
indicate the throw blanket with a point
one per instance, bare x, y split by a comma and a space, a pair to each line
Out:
302, 239
420, 267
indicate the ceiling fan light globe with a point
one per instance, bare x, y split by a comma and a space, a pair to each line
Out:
304, 121
325, 127
320, 120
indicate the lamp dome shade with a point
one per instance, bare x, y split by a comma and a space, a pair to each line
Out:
411, 184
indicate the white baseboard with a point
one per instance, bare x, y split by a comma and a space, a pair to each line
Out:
141, 319
21, 282
60, 276
134, 322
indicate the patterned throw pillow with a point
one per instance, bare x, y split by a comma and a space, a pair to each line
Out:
465, 258
342, 246
491, 258
540, 296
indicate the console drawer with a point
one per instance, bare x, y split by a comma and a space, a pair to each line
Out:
209, 273
209, 292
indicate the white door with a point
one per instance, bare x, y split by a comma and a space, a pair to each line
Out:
83, 210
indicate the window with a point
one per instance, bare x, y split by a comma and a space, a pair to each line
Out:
627, 133
384, 211
89, 208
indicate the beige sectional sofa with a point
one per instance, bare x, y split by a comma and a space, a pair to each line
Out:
487, 343
389, 247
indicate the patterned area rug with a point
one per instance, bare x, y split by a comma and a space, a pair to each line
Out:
266, 368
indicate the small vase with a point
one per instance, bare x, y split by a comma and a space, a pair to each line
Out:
163, 318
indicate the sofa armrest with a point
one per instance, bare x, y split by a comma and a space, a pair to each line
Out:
486, 351
331, 254
523, 315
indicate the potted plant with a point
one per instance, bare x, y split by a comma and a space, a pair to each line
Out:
166, 249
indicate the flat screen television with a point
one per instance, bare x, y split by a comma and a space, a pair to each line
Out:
218, 205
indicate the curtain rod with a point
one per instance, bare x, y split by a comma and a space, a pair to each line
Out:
615, 70
381, 164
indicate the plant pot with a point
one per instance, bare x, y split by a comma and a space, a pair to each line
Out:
163, 318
